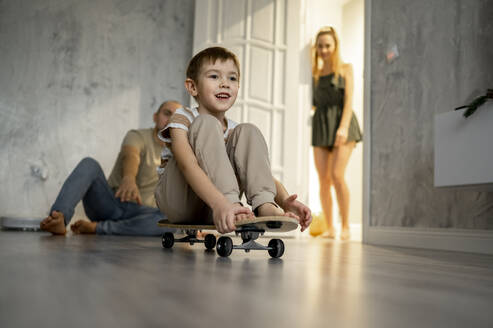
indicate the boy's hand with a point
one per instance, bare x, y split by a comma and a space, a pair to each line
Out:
128, 191
226, 214
304, 214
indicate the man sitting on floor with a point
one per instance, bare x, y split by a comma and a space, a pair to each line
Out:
124, 204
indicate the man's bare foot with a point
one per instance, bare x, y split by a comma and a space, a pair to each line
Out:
345, 235
329, 233
84, 227
54, 223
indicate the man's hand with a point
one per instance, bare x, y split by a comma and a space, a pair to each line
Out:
226, 214
304, 214
128, 191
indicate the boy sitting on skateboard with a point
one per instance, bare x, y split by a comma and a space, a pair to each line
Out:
211, 160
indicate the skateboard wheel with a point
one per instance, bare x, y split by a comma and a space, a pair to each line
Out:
168, 240
276, 248
224, 246
210, 241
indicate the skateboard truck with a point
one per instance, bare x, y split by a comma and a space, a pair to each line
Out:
191, 237
249, 237
249, 233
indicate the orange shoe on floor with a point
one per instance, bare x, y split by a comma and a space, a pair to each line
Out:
318, 225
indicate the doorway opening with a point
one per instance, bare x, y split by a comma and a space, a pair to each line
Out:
347, 18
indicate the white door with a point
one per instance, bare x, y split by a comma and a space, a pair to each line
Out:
264, 34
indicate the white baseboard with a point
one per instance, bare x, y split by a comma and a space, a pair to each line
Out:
472, 241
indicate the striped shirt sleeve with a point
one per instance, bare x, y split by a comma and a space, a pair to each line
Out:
181, 119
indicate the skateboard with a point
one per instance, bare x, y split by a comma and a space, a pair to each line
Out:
249, 230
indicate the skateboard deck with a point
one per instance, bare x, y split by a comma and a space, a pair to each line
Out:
267, 223
248, 229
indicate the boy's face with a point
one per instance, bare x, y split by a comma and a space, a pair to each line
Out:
162, 116
216, 87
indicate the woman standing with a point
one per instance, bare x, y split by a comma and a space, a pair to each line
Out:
335, 127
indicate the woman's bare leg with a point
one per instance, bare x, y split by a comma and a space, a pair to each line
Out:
323, 162
340, 160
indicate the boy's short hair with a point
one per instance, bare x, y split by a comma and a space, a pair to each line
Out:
210, 55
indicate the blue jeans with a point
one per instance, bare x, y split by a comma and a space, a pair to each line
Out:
88, 183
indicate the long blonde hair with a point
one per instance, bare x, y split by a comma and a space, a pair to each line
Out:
336, 55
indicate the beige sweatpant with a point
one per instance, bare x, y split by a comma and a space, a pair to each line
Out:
241, 165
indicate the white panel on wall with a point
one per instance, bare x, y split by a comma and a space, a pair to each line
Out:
280, 22
260, 74
234, 13
238, 51
262, 119
461, 158
277, 143
279, 82
263, 20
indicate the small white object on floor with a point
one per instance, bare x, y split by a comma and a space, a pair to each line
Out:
20, 223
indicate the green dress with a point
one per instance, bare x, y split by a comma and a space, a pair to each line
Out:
328, 99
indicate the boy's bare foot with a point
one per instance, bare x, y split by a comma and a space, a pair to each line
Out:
84, 227
329, 233
54, 223
242, 216
345, 235
269, 209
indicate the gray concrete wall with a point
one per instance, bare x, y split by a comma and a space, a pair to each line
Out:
74, 77
446, 52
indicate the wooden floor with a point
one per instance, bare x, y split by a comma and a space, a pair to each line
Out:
91, 281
